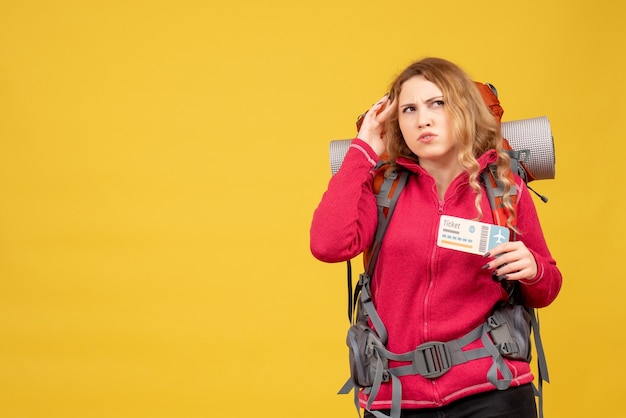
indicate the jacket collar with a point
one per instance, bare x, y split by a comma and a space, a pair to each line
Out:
489, 157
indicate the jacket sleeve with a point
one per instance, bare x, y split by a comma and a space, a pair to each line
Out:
345, 221
541, 290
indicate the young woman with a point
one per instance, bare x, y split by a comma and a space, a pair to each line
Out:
435, 124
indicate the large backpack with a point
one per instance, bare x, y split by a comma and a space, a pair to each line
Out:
530, 145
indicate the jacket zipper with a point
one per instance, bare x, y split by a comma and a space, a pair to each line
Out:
440, 207
430, 276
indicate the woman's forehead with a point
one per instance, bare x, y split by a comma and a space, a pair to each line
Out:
418, 88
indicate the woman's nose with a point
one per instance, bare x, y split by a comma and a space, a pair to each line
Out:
423, 120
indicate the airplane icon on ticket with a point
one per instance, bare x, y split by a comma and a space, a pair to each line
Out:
499, 237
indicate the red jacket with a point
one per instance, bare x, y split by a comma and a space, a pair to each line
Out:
423, 292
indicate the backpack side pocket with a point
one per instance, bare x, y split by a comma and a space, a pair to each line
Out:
510, 331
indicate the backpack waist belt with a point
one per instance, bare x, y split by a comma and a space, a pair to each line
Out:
433, 359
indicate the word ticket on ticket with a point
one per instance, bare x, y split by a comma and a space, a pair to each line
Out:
469, 236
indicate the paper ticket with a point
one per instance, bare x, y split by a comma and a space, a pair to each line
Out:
469, 236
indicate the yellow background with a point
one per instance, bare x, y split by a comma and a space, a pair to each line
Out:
160, 162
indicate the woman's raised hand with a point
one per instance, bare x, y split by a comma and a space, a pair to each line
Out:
372, 128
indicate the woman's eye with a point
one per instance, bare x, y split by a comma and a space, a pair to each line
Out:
408, 109
438, 103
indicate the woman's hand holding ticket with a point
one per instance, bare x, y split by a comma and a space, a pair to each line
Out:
513, 261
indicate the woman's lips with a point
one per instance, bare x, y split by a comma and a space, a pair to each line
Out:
426, 137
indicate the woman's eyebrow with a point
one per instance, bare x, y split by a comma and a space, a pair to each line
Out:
432, 99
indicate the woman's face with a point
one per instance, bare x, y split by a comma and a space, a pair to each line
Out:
424, 122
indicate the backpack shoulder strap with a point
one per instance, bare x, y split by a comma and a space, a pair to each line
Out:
388, 190
386, 199
495, 192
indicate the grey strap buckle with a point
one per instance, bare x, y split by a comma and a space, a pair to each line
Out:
493, 322
432, 359
508, 347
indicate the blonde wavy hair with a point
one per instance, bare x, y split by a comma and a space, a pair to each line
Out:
474, 126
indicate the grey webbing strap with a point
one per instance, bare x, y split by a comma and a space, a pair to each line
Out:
368, 305
396, 392
491, 193
396, 397
498, 363
458, 356
378, 378
541, 357
517, 158
542, 366
383, 222
385, 202
424, 366
498, 191
346, 388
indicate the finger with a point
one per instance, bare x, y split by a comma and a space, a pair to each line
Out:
524, 268
514, 276
498, 257
372, 111
526, 273
387, 110
372, 115
380, 103
499, 250
509, 268
504, 258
